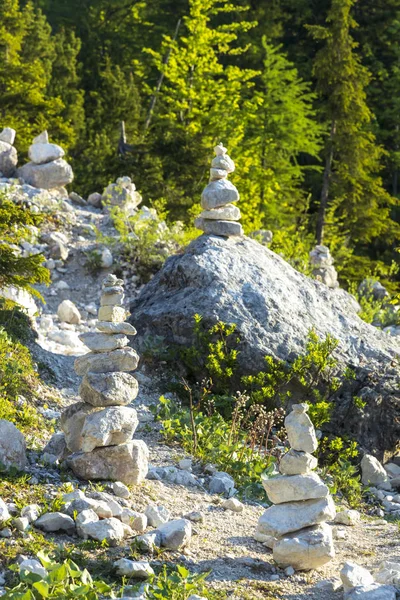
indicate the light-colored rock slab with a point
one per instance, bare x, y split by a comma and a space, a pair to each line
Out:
4, 512
353, 575
229, 212
123, 359
157, 515
86, 427
223, 228
138, 521
112, 299
372, 471
121, 490
375, 591
40, 153
48, 176
348, 517
12, 446
102, 342
133, 568
285, 518
127, 463
108, 389
111, 530
219, 193
8, 135
8, 159
175, 535
233, 504
291, 488
112, 314
55, 521
67, 312
84, 518
42, 138
111, 328
306, 549
297, 463
300, 430
30, 565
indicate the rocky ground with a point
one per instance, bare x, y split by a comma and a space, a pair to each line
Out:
223, 541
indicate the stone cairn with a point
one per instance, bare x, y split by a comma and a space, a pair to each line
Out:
323, 269
295, 525
220, 216
8, 154
47, 169
98, 431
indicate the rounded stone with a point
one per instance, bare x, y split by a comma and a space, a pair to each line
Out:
108, 389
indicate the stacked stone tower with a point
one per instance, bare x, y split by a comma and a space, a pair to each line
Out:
220, 216
323, 269
295, 526
98, 431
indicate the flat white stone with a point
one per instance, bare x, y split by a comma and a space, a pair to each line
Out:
374, 591
218, 174
230, 212
133, 568
297, 463
292, 488
110, 328
111, 530
123, 359
113, 314
300, 430
223, 161
353, 575
222, 228
108, 389
219, 193
281, 519
111, 299
348, 517
306, 549
102, 342
40, 153
175, 534
8, 135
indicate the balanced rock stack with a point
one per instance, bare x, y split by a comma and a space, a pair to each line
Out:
99, 430
295, 526
47, 169
323, 269
8, 154
220, 216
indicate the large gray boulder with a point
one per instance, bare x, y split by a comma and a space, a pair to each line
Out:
12, 446
8, 159
54, 174
274, 306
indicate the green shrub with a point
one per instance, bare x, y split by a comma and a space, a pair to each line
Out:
16, 322
21, 272
93, 261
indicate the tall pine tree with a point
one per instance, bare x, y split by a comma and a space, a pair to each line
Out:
352, 196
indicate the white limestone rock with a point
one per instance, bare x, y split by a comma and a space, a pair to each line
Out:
218, 174
30, 565
8, 159
31, 512
157, 515
306, 549
127, 463
111, 328
374, 591
138, 521
121, 490
233, 504
292, 488
12, 446
388, 573
281, 519
48, 176
84, 518
42, 138
123, 359
392, 469
372, 471
106, 258
108, 389
55, 521
111, 530
112, 314
230, 212
348, 517
175, 535
8, 135
267, 540
102, 342
219, 193
68, 313
86, 427
353, 575
223, 228
112, 299
297, 463
40, 153
133, 568
4, 512
300, 430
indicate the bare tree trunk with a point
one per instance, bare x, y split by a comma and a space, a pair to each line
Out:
160, 80
323, 205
